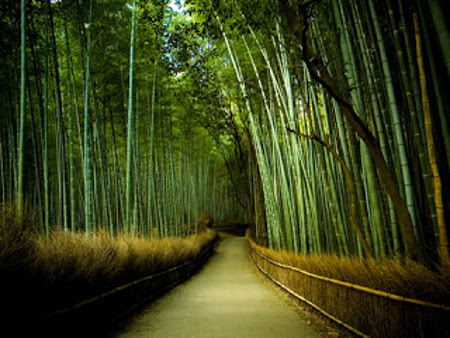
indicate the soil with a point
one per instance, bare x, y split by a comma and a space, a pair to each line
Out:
226, 299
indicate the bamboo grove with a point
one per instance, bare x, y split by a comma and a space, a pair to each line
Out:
324, 123
346, 108
95, 130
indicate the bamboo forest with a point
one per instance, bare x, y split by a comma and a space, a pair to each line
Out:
133, 132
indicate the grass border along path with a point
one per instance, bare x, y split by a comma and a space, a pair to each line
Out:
67, 284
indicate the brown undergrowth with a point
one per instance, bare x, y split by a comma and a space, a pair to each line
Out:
370, 314
42, 274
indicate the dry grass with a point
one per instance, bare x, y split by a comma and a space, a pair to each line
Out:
373, 315
41, 274
102, 257
408, 279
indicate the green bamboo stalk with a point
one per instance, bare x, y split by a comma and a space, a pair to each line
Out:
128, 201
86, 162
135, 224
72, 204
45, 131
151, 170
21, 132
103, 207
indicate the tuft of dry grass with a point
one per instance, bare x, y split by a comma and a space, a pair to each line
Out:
41, 274
15, 235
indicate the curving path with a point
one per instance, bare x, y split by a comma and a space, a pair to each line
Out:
226, 299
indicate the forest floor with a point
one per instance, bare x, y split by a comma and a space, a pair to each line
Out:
226, 299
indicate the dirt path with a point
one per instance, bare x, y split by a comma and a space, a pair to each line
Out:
226, 299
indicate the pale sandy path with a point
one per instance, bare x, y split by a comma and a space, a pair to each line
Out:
226, 299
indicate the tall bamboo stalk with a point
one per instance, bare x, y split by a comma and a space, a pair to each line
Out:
128, 202
443, 240
87, 178
45, 131
72, 203
23, 71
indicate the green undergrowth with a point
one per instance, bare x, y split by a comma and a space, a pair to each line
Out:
43, 274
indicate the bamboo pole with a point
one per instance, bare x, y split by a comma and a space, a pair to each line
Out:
437, 185
21, 145
86, 162
128, 193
